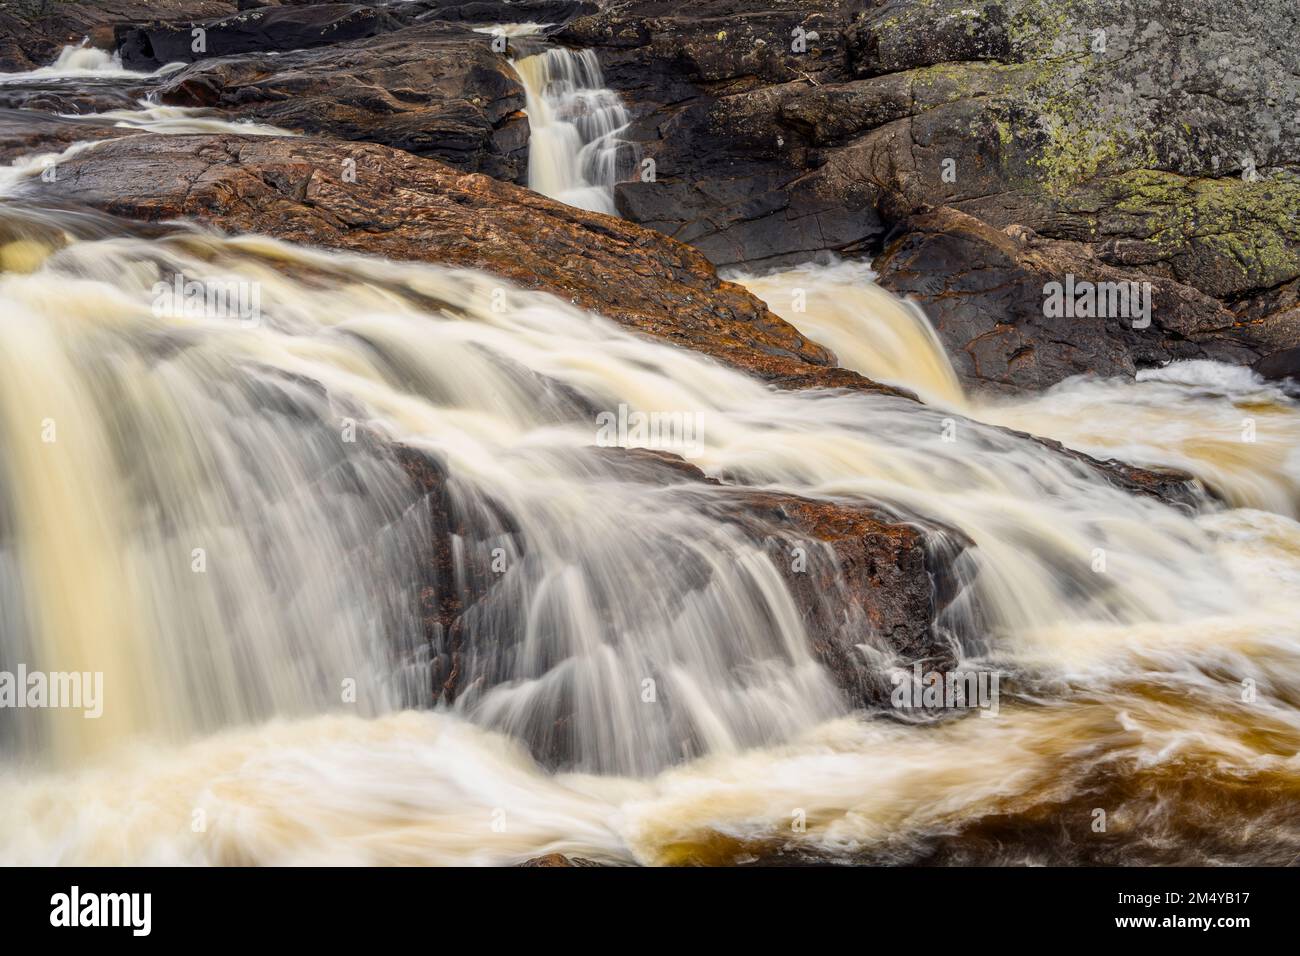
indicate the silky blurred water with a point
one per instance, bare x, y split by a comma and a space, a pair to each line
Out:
219, 525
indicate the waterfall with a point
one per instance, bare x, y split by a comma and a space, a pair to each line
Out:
887, 339
86, 63
1189, 415
575, 153
216, 511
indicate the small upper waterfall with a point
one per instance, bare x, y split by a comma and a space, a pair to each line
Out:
575, 153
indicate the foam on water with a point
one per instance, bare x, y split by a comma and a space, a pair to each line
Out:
225, 687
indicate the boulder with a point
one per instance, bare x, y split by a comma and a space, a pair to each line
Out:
267, 30
989, 294
871, 576
32, 32
1281, 366
431, 90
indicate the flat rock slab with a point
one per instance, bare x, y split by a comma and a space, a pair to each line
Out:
372, 199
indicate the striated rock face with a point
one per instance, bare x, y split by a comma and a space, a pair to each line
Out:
33, 31
1146, 140
404, 207
268, 30
432, 90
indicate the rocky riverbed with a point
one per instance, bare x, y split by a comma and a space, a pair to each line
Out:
1139, 161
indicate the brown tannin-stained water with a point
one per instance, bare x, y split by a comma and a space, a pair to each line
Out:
199, 508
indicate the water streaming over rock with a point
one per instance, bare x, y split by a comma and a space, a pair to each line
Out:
157, 118
84, 62
575, 153
238, 516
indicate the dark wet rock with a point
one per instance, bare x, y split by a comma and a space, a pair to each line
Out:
456, 568
1280, 365
1151, 135
405, 207
504, 11
859, 573
987, 292
269, 30
32, 32
62, 96
24, 131
705, 82
871, 579
432, 90
1172, 486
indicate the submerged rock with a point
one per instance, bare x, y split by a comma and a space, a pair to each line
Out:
859, 573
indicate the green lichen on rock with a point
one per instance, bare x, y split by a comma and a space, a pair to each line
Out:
1227, 224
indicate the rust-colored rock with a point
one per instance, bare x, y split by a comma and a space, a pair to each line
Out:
866, 575
406, 207
559, 859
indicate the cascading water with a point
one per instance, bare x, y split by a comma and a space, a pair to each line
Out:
83, 67
1224, 424
888, 339
209, 510
75, 62
157, 118
575, 153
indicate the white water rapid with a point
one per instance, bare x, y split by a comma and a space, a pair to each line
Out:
209, 511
